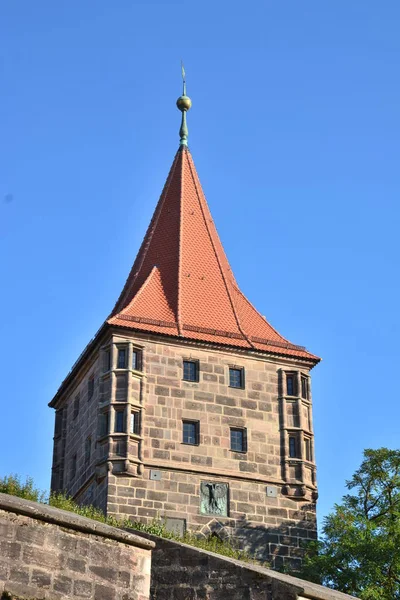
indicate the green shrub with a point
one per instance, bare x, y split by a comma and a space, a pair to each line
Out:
12, 485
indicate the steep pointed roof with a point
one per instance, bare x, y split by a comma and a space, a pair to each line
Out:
181, 283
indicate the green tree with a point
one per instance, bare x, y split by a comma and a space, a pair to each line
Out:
359, 552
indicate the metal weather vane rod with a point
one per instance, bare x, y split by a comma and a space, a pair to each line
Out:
183, 103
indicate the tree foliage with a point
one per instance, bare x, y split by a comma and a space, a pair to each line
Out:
359, 552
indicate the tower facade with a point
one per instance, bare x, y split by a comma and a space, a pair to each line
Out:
188, 405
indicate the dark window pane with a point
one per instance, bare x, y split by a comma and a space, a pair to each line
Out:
304, 387
107, 360
104, 424
292, 447
121, 358
236, 378
134, 423
190, 370
238, 440
119, 421
136, 360
307, 449
73, 466
190, 432
290, 385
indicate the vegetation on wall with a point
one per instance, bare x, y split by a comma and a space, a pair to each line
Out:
13, 485
359, 552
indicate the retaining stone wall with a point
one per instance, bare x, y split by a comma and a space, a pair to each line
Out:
50, 553
181, 572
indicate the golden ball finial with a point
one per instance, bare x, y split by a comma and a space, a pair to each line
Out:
184, 103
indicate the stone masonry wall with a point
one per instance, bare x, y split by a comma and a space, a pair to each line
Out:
181, 572
50, 553
271, 497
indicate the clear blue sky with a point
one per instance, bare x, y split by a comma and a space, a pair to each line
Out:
295, 133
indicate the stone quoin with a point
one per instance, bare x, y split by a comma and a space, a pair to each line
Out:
188, 405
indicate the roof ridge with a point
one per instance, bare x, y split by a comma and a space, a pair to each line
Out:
218, 259
183, 149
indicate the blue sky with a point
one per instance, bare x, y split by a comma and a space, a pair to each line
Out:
295, 133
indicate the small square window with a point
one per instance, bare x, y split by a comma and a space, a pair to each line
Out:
190, 370
236, 378
304, 387
134, 423
103, 424
191, 432
238, 440
121, 358
136, 360
90, 387
293, 447
76, 407
119, 421
291, 384
88, 449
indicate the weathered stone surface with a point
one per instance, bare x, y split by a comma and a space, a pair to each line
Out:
61, 555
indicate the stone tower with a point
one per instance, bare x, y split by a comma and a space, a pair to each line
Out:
188, 405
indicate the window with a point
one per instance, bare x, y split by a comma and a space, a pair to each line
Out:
191, 431
134, 423
90, 387
107, 360
73, 466
238, 440
76, 407
121, 358
119, 421
236, 378
88, 449
103, 424
307, 449
292, 447
190, 370
136, 360
304, 387
291, 384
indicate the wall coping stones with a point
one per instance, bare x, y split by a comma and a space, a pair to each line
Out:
63, 518
304, 590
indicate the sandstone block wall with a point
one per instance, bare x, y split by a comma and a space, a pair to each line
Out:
49, 553
181, 572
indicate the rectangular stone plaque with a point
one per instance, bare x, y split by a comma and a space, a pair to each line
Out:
272, 492
177, 526
155, 475
214, 498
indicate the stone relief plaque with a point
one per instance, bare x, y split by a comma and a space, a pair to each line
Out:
214, 498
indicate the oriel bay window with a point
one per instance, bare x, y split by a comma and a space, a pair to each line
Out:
291, 384
119, 425
134, 423
104, 424
136, 360
293, 447
304, 387
307, 449
122, 352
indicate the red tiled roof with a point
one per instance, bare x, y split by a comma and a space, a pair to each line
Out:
181, 283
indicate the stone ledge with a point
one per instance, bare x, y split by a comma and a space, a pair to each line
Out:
63, 518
